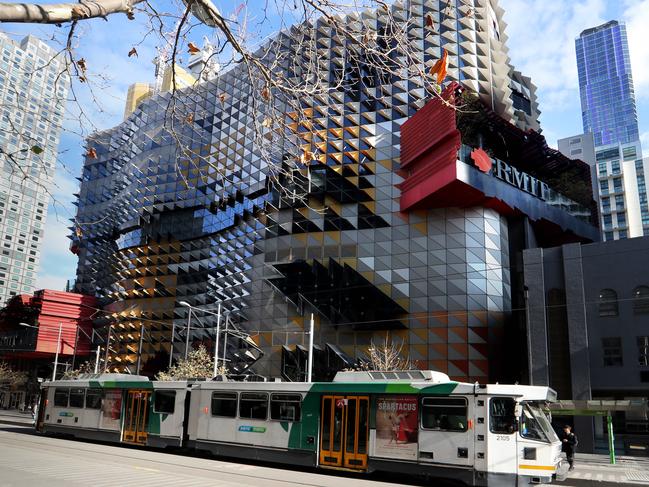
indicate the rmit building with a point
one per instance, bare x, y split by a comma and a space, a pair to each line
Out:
389, 230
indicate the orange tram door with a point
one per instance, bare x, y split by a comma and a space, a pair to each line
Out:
136, 412
344, 432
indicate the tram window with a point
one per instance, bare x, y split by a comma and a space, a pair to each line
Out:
253, 405
61, 397
165, 402
224, 404
285, 407
502, 418
444, 414
76, 398
93, 399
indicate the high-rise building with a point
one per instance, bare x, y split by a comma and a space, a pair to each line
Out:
606, 85
609, 113
397, 232
33, 91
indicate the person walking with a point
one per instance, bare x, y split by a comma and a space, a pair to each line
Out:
568, 445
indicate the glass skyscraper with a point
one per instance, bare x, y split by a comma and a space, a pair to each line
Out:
606, 85
609, 113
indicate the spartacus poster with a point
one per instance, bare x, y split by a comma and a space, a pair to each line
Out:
396, 427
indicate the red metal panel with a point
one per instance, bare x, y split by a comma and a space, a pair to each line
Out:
430, 142
66, 311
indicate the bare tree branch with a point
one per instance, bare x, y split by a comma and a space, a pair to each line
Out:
59, 13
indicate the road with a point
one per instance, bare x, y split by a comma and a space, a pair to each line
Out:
28, 459
31, 460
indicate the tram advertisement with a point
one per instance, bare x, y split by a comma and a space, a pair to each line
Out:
111, 409
396, 427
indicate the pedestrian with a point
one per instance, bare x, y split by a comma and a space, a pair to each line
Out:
569, 444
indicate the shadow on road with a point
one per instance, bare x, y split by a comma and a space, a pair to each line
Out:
375, 476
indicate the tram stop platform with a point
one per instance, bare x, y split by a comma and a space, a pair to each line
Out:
596, 471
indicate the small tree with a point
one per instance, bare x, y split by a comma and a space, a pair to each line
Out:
385, 357
12, 378
198, 364
84, 368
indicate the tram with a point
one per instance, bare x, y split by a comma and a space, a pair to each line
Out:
411, 422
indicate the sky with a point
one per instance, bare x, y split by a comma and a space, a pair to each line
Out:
541, 45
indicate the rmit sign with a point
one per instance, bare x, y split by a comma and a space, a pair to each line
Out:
510, 174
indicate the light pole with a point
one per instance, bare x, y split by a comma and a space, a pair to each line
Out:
218, 325
58, 345
189, 324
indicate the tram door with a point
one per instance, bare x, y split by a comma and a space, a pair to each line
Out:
135, 417
344, 428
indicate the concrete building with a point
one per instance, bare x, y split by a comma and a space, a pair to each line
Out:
370, 251
588, 323
33, 90
609, 113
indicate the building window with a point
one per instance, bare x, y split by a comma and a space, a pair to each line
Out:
643, 351
615, 167
612, 351
641, 300
608, 303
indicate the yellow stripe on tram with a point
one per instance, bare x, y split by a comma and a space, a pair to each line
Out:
538, 467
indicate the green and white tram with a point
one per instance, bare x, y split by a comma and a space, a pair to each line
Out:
415, 422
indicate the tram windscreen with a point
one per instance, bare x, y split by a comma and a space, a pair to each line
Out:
535, 423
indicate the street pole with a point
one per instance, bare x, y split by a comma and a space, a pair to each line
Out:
310, 362
216, 344
189, 324
97, 359
171, 348
58, 346
139, 350
110, 329
611, 438
225, 338
76, 341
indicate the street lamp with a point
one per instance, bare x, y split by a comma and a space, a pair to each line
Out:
218, 324
189, 324
58, 345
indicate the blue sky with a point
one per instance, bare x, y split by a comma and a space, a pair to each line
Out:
541, 44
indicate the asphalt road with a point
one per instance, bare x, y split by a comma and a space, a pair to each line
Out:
28, 460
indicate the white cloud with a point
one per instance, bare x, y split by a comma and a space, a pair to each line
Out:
636, 16
542, 43
644, 140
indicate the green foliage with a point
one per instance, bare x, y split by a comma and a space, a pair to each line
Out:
84, 368
10, 377
198, 365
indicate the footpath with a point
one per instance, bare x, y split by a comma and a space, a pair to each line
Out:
15, 417
596, 470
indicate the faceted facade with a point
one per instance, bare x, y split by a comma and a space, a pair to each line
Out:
33, 91
191, 214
